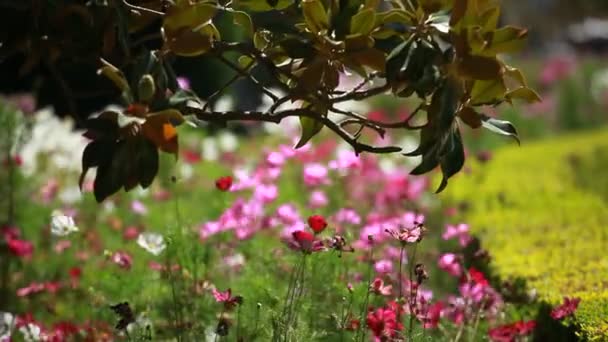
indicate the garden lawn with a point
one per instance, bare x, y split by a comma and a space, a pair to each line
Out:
542, 212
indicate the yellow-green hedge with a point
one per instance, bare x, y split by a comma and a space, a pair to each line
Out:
542, 212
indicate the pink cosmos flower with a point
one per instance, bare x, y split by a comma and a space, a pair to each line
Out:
567, 308
226, 297
315, 175
460, 231
317, 199
61, 246
347, 216
383, 323
30, 289
377, 286
433, 315
511, 332
556, 69
383, 266
122, 259
138, 208
20, 248
346, 161
450, 263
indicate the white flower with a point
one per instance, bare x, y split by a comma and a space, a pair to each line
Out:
31, 332
152, 242
7, 323
62, 225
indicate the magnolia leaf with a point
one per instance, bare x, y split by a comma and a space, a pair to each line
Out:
441, 23
188, 15
508, 39
262, 5
453, 161
490, 91
400, 16
189, 43
515, 74
95, 154
148, 164
243, 20
315, 16
363, 22
372, 58
500, 126
470, 117
523, 93
310, 128
480, 68
116, 76
182, 98
160, 130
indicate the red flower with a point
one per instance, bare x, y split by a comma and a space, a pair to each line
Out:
566, 309
476, 277
317, 223
377, 286
305, 242
20, 248
509, 332
223, 183
383, 323
433, 315
353, 324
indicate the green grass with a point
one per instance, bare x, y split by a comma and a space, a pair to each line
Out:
542, 212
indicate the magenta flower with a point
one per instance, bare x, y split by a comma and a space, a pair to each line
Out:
226, 297
460, 231
383, 323
383, 266
407, 234
183, 83
30, 289
377, 286
317, 199
511, 332
138, 208
20, 248
122, 259
450, 263
567, 308
315, 175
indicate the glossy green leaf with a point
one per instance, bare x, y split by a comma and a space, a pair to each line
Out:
523, 93
484, 92
315, 15
243, 20
453, 161
310, 127
262, 5
500, 126
363, 22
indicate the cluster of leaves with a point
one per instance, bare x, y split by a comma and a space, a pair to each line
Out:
444, 52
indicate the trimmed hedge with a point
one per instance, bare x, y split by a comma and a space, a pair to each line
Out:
542, 212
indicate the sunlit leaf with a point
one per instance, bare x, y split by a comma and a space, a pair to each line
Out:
363, 22
262, 5
500, 126
315, 15
523, 93
484, 92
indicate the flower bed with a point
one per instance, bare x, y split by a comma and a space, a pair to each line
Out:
541, 211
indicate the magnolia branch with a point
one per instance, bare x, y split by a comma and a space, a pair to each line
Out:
277, 117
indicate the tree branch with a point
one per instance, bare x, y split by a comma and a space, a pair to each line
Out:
279, 116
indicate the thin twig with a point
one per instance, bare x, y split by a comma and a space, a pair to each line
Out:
244, 73
143, 9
